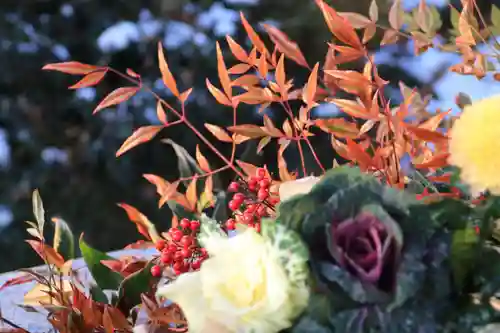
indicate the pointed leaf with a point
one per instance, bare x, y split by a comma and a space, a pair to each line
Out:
218, 132
202, 160
144, 225
117, 96
168, 78
90, 79
47, 253
223, 74
285, 45
70, 67
339, 26
339, 127
64, 240
140, 136
251, 131
38, 210
256, 41
133, 286
219, 95
396, 14
238, 52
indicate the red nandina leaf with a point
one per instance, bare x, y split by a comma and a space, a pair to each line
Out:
117, 96
17, 281
47, 253
254, 38
219, 95
256, 96
71, 67
262, 66
90, 79
339, 127
285, 45
167, 76
432, 123
425, 134
219, 133
238, 52
346, 54
251, 131
202, 160
358, 154
339, 26
140, 136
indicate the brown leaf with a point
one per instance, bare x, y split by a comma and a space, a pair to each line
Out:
238, 52
396, 15
280, 73
167, 76
358, 154
373, 11
464, 27
143, 224
357, 20
117, 96
339, 127
239, 138
239, 69
116, 318
47, 253
223, 74
219, 95
90, 79
218, 132
369, 32
141, 135
70, 67
251, 131
351, 81
285, 45
390, 37
254, 38
208, 192
202, 160
339, 26
263, 143
255, 96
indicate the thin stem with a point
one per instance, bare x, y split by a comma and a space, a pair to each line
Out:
313, 152
297, 138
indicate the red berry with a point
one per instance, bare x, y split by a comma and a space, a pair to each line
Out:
185, 223
230, 224
177, 272
186, 253
262, 194
261, 211
178, 256
160, 244
250, 208
203, 252
234, 205
195, 225
261, 173
178, 266
156, 271
196, 264
171, 248
264, 183
186, 241
239, 197
247, 218
251, 225
252, 184
257, 227
177, 235
273, 201
166, 258
233, 187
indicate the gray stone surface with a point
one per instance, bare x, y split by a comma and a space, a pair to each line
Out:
10, 297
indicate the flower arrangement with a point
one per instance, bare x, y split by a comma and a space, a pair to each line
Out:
401, 236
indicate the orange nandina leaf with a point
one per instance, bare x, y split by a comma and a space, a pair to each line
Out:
248, 169
161, 114
209, 192
165, 189
167, 76
239, 139
425, 134
191, 194
89, 80
464, 27
396, 15
117, 96
263, 143
247, 81
432, 123
47, 253
353, 108
280, 73
141, 135
256, 96
70, 67
390, 37
357, 20
338, 127
130, 72
285, 175
351, 81
346, 54
202, 161
185, 95
287, 128
309, 91
251, 131
219, 95
223, 74
144, 225
254, 38
339, 26
369, 32
262, 66
438, 161
239, 69
285, 45
238, 52
219, 133
270, 128
358, 154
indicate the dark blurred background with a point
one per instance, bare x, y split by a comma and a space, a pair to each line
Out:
49, 139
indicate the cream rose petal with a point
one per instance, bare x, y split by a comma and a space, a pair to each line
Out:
186, 291
295, 187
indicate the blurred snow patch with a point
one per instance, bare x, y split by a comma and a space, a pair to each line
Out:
6, 216
67, 10
87, 94
242, 2
52, 155
220, 19
118, 36
4, 149
60, 51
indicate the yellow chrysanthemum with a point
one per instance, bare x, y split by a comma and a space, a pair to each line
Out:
475, 145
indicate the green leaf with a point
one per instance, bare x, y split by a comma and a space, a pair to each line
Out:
186, 163
131, 288
103, 276
98, 295
38, 210
64, 240
495, 16
464, 250
180, 211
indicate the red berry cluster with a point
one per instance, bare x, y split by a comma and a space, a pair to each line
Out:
182, 252
252, 200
